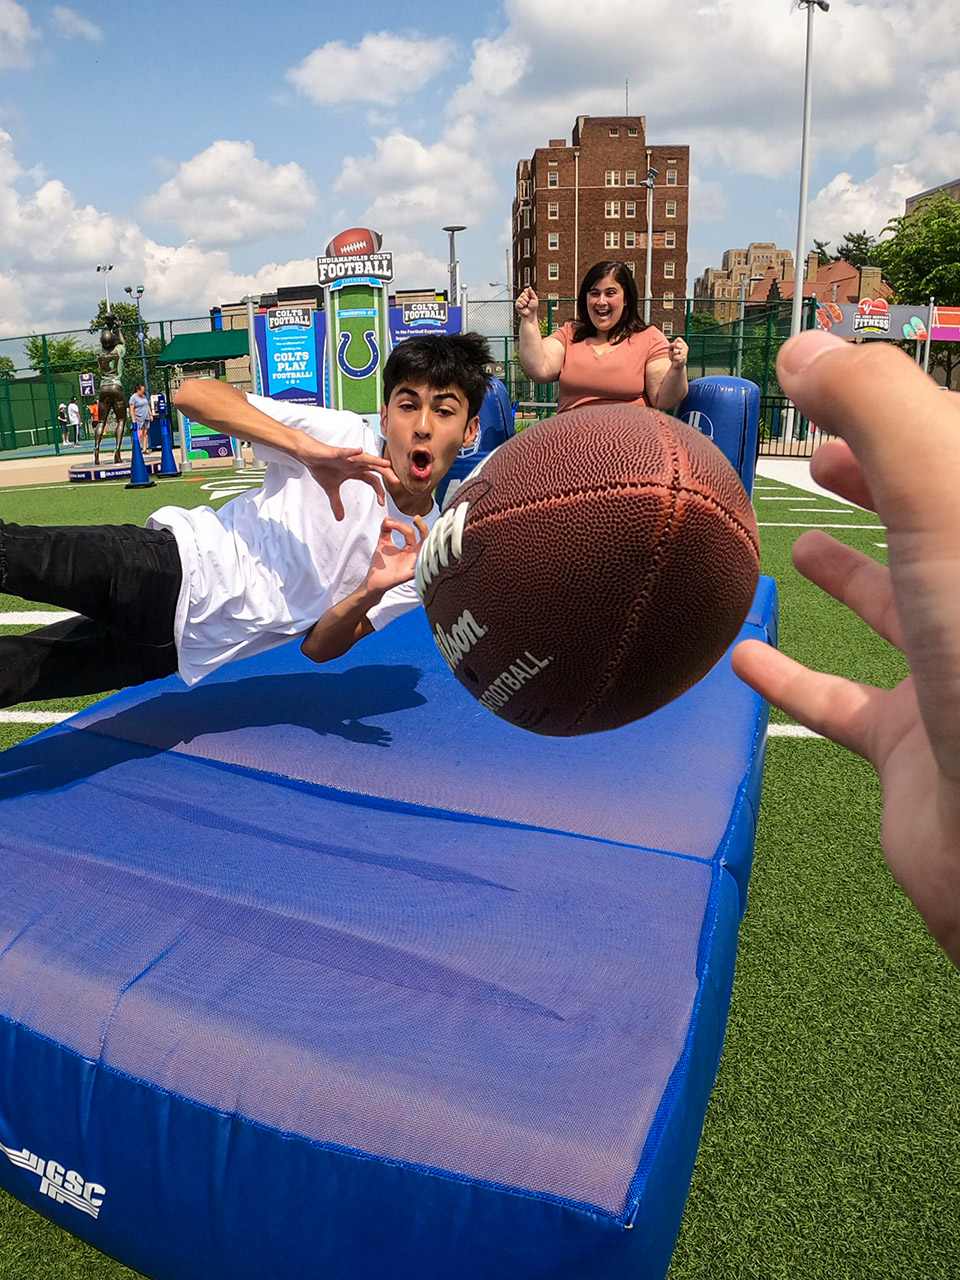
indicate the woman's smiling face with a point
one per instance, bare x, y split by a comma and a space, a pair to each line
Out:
605, 304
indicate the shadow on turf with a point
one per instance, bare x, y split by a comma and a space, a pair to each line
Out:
324, 703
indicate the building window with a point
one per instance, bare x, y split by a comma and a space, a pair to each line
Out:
553, 240
671, 209
667, 328
630, 209
611, 239
614, 132
526, 247
669, 270
629, 239
553, 296
630, 178
631, 133
526, 277
553, 270
553, 210
611, 209
670, 240
553, 178
611, 178
631, 267
668, 301
671, 177
526, 219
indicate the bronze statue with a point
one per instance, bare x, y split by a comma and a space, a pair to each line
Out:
110, 360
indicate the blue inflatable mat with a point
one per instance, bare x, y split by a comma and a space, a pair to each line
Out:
331, 973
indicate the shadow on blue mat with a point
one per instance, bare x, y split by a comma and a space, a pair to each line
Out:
325, 703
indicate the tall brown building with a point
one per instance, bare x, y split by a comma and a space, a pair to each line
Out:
577, 205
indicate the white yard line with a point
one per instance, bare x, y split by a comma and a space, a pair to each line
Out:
33, 618
775, 524
792, 731
35, 717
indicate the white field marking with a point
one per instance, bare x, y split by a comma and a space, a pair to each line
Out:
34, 717
879, 544
827, 511
34, 618
787, 498
773, 524
781, 487
791, 731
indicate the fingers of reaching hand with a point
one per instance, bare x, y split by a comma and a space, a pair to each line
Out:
839, 709
853, 578
900, 423
835, 467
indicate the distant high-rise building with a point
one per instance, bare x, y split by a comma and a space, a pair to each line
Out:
951, 189
721, 287
580, 204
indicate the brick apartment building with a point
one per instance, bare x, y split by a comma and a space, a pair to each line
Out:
580, 204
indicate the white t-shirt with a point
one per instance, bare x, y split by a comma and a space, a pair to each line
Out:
73, 413
266, 565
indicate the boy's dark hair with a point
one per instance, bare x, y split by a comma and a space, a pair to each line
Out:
441, 360
629, 322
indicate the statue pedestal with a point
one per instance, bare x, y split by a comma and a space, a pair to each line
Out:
83, 471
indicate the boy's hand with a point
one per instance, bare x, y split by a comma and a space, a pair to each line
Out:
528, 305
899, 454
331, 467
392, 565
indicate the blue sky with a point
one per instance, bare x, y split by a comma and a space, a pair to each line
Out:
211, 149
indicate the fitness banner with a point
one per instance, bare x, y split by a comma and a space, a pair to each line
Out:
876, 318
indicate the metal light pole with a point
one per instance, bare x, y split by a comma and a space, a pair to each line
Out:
648, 182
800, 265
105, 267
454, 266
143, 352
743, 304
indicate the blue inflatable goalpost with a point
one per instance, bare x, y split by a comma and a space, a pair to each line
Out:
329, 973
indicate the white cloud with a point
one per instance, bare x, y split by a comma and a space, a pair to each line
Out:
381, 68
225, 195
17, 35
73, 26
418, 185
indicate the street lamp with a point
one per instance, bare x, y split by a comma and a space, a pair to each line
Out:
143, 353
454, 266
743, 303
105, 267
648, 182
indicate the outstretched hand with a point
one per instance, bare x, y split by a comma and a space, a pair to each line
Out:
898, 455
331, 467
392, 565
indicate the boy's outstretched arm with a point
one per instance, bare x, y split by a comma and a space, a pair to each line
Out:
217, 404
347, 622
899, 454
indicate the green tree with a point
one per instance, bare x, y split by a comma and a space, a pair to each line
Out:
859, 248
7, 367
921, 260
703, 322
65, 354
823, 257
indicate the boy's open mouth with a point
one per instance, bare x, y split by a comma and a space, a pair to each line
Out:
421, 464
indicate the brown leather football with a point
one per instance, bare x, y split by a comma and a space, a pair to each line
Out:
590, 569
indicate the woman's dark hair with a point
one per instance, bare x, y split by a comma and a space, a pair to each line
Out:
629, 322
441, 360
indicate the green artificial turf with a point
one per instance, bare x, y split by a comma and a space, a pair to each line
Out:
831, 1149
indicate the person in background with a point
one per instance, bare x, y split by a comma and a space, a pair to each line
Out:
63, 422
73, 416
141, 414
898, 455
608, 355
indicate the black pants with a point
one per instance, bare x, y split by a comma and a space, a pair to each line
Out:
122, 579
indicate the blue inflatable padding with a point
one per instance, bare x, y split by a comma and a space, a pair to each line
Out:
727, 410
496, 425
263, 1012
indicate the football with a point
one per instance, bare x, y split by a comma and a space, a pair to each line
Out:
590, 569
354, 241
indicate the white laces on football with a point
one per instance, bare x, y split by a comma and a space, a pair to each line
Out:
443, 542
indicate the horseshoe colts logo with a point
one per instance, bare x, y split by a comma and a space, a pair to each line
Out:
370, 338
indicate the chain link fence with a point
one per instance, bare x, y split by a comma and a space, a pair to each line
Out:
39, 372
